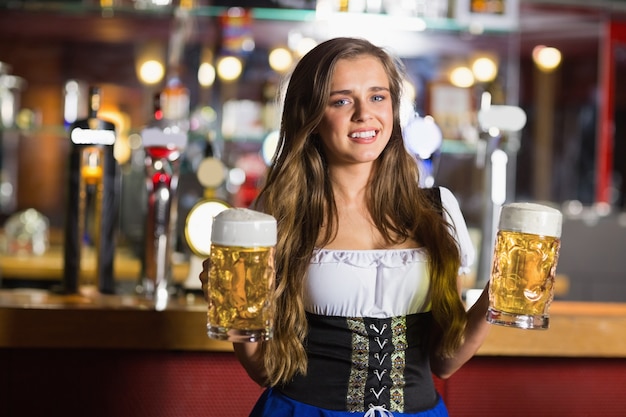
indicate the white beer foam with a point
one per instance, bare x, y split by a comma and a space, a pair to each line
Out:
243, 227
531, 218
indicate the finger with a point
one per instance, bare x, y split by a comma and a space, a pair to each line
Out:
204, 274
204, 278
206, 263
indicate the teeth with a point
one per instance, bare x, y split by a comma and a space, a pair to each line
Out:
367, 134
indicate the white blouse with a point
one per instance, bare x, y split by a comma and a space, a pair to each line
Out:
379, 283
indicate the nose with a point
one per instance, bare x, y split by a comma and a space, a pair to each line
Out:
362, 111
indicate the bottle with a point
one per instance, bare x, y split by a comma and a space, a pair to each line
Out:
157, 110
174, 102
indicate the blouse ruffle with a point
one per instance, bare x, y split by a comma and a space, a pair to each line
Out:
396, 258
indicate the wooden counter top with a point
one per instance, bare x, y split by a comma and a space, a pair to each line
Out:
39, 319
49, 266
576, 329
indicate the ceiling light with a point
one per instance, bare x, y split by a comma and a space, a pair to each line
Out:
484, 69
280, 59
151, 72
546, 58
229, 68
206, 74
462, 77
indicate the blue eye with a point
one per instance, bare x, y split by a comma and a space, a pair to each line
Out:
378, 98
341, 102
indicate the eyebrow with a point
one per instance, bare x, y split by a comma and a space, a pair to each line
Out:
373, 89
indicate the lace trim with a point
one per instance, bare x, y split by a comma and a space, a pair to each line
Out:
392, 258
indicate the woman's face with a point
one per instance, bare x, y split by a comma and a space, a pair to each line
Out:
358, 119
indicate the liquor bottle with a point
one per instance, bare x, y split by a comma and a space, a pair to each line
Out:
174, 102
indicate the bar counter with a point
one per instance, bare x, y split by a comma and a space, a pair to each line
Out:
49, 265
40, 319
116, 355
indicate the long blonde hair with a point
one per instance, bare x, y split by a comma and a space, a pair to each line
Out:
298, 193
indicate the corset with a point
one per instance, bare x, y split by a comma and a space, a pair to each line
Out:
358, 363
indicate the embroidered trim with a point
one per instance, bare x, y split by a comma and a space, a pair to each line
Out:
398, 363
358, 372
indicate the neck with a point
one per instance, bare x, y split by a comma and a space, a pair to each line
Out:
349, 185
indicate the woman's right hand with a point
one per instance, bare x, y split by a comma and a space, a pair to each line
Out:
204, 278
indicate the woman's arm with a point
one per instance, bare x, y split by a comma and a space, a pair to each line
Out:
475, 334
477, 326
250, 355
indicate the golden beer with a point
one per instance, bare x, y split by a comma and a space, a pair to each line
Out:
241, 281
524, 266
241, 276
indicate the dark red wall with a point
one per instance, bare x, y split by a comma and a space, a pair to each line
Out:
95, 383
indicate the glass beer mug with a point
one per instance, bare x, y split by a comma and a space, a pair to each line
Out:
524, 265
241, 276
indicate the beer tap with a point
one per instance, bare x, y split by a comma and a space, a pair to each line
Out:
163, 150
495, 121
91, 205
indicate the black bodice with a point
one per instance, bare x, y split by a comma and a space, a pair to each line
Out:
357, 363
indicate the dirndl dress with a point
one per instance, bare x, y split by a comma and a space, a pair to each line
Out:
368, 340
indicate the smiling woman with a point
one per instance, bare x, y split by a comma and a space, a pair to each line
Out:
382, 244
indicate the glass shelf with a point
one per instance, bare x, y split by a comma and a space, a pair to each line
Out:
68, 7
456, 146
259, 13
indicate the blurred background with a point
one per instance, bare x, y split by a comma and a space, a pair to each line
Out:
562, 63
